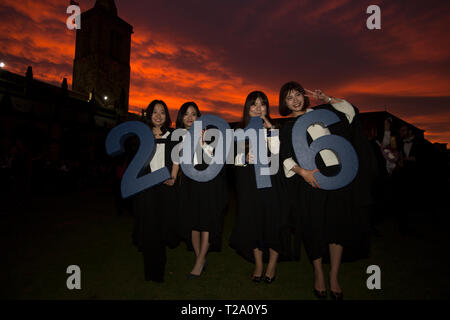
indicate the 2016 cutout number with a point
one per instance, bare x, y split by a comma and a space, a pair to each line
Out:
131, 183
340, 146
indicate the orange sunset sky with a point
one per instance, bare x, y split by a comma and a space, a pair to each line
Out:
216, 52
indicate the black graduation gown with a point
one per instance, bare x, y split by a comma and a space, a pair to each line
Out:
155, 212
261, 216
340, 216
416, 181
201, 207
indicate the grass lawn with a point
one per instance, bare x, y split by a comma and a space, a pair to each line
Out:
46, 235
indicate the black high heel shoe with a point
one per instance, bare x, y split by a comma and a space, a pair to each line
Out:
321, 295
268, 279
256, 278
336, 295
193, 276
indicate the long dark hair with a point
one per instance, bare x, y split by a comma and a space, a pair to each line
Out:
284, 91
182, 112
149, 112
251, 99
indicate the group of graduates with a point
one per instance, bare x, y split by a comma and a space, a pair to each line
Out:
271, 223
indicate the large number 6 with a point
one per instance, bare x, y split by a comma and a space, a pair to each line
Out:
115, 140
341, 147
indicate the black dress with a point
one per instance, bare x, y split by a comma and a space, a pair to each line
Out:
322, 217
261, 215
201, 206
155, 217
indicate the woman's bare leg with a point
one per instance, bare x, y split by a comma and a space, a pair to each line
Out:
196, 242
258, 262
203, 250
319, 278
335, 262
272, 266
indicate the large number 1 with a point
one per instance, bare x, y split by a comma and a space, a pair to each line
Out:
341, 147
258, 143
131, 183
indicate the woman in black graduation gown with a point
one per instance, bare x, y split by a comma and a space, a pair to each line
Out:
154, 226
202, 204
257, 234
327, 221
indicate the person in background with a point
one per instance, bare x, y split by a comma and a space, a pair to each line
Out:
389, 148
414, 181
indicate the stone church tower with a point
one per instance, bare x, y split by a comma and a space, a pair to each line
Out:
102, 56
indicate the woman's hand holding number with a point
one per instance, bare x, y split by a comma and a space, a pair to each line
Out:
308, 175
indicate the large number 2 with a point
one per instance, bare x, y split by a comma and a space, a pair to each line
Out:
341, 147
131, 183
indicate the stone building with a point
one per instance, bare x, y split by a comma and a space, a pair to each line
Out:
41, 122
373, 124
102, 56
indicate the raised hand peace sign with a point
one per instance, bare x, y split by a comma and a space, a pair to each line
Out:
318, 95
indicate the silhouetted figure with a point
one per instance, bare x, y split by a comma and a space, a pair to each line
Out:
119, 169
19, 172
5, 176
387, 159
413, 180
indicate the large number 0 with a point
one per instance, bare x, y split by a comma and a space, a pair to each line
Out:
222, 149
131, 183
341, 147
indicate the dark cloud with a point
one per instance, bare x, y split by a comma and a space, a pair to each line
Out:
216, 52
